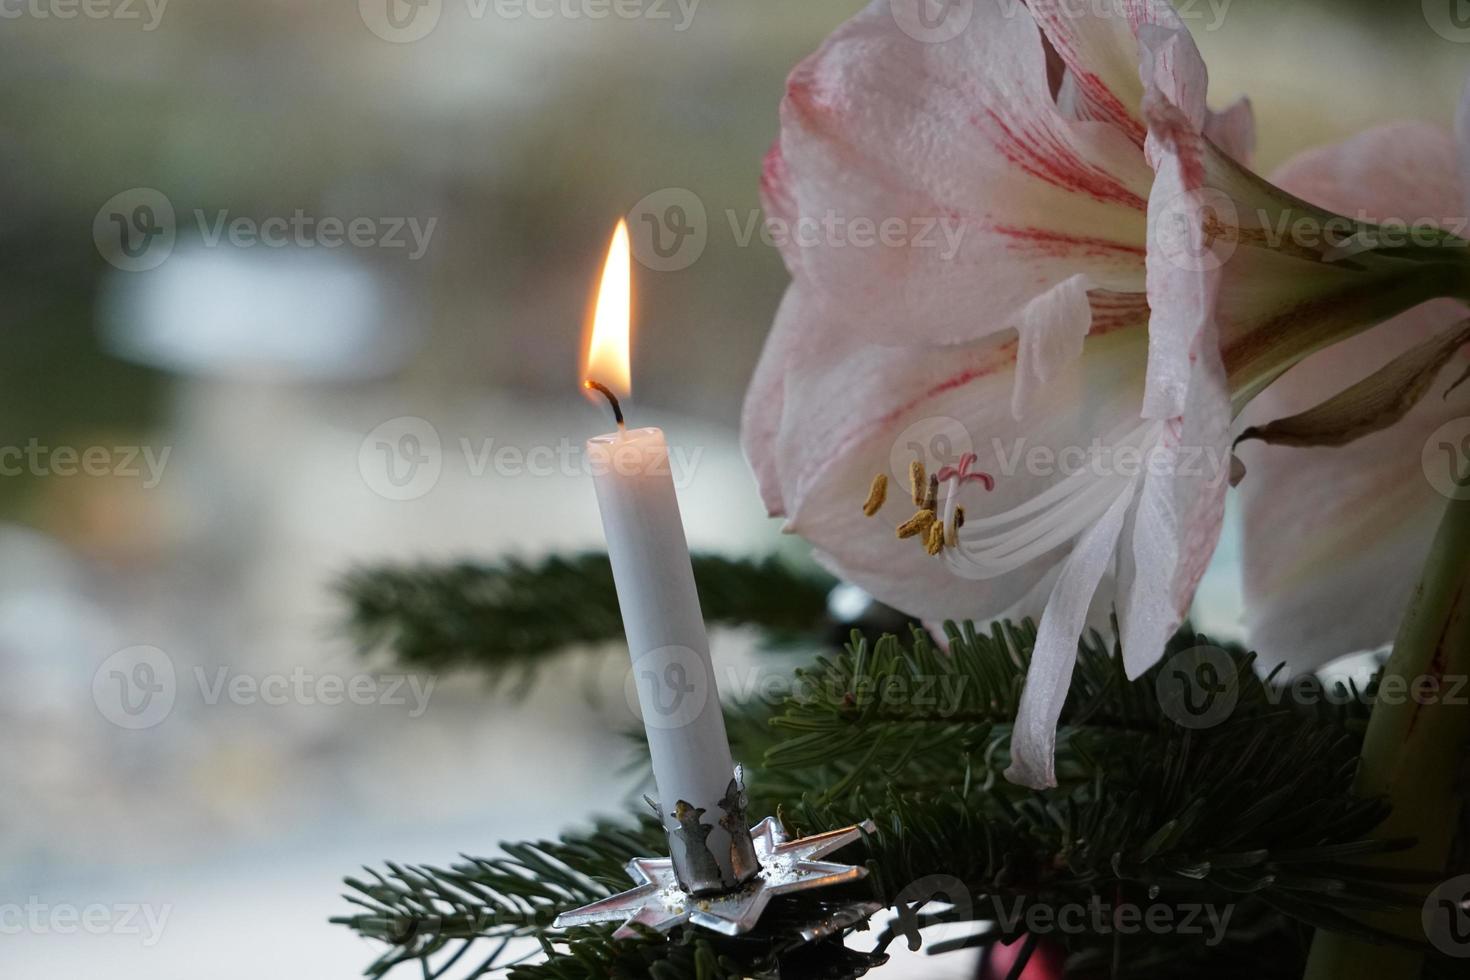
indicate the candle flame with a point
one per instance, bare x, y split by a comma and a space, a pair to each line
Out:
607, 361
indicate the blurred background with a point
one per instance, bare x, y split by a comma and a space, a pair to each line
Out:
203, 410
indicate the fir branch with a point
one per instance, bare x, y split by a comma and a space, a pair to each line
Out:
1256, 813
505, 616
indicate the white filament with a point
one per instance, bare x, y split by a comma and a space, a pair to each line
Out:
996, 544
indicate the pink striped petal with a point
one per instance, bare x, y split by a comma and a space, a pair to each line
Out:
962, 144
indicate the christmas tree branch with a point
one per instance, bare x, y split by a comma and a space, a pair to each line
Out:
503, 617
1255, 815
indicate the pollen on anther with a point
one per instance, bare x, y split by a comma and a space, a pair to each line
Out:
917, 483
934, 538
877, 494
916, 525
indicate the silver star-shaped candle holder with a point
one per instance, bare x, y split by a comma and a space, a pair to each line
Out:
658, 902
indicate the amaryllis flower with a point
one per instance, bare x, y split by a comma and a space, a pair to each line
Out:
1123, 284
1335, 535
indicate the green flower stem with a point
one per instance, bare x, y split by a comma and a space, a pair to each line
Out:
1414, 753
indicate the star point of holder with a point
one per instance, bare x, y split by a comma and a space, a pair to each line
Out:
657, 902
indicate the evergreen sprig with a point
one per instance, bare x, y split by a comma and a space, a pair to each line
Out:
500, 618
1255, 813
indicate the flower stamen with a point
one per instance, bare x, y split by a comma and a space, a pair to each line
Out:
917, 483
996, 544
877, 494
934, 538
917, 525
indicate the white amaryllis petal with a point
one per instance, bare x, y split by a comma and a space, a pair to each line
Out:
1052, 330
1181, 293
1176, 525
1334, 537
848, 410
994, 194
1049, 675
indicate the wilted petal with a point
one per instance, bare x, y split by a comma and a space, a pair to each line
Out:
963, 138
1373, 404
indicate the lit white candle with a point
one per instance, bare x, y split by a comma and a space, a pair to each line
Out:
708, 834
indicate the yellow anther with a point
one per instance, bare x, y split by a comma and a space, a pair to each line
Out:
931, 499
934, 538
917, 482
916, 525
877, 493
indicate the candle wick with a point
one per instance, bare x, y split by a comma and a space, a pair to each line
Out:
612, 400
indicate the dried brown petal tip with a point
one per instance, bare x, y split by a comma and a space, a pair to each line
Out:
917, 482
916, 525
877, 493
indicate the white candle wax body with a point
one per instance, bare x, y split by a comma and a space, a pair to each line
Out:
672, 670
